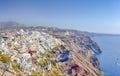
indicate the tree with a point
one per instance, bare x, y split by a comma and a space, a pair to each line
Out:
5, 58
36, 73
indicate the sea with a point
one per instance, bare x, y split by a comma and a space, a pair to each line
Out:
110, 56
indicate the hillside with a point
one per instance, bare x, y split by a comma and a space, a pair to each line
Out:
46, 51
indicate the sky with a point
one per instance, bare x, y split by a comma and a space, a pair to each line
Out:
100, 16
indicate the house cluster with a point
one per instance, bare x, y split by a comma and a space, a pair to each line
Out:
34, 53
28, 49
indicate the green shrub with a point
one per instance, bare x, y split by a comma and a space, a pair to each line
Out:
53, 63
17, 67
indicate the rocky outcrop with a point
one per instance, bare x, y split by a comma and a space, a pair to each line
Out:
95, 62
86, 43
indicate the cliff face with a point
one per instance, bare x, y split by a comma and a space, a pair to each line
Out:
81, 47
86, 43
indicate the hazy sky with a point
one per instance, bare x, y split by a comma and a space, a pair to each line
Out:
101, 16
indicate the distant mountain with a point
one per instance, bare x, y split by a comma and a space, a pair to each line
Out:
10, 24
91, 34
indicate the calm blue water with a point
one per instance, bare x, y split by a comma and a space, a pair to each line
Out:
110, 57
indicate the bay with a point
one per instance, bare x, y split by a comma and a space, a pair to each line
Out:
110, 56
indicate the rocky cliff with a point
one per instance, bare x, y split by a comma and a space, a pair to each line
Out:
83, 49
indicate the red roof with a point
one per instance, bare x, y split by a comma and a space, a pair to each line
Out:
32, 51
75, 66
